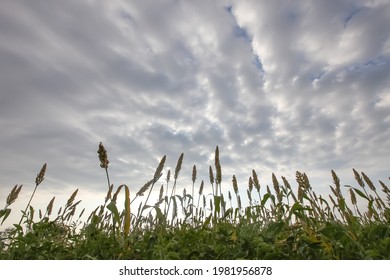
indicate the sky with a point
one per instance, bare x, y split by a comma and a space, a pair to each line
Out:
278, 86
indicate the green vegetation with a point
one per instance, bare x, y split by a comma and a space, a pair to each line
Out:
277, 223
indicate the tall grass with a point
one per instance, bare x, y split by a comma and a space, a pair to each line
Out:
280, 221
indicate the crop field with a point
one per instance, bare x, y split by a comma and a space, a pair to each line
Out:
276, 223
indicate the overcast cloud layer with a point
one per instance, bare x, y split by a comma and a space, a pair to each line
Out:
279, 86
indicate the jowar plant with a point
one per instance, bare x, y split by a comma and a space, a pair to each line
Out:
277, 223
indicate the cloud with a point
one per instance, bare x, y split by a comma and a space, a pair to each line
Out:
279, 87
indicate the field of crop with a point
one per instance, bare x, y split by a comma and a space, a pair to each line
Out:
277, 223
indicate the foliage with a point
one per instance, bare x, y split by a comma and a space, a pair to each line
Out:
281, 224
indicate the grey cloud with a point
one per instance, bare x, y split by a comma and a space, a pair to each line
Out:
276, 87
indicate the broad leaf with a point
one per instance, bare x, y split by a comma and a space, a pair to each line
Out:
114, 210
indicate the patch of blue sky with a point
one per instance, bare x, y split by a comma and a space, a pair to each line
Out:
372, 63
351, 15
229, 9
257, 62
126, 16
237, 30
241, 33
318, 75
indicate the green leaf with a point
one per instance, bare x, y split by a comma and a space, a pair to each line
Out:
207, 221
342, 204
300, 215
217, 203
227, 213
180, 198
305, 196
296, 207
114, 210
273, 229
146, 207
18, 227
360, 193
386, 213
248, 213
333, 231
32, 211
4, 213
265, 198
236, 213
324, 201
159, 214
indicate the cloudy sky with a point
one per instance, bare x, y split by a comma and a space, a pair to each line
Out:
279, 86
